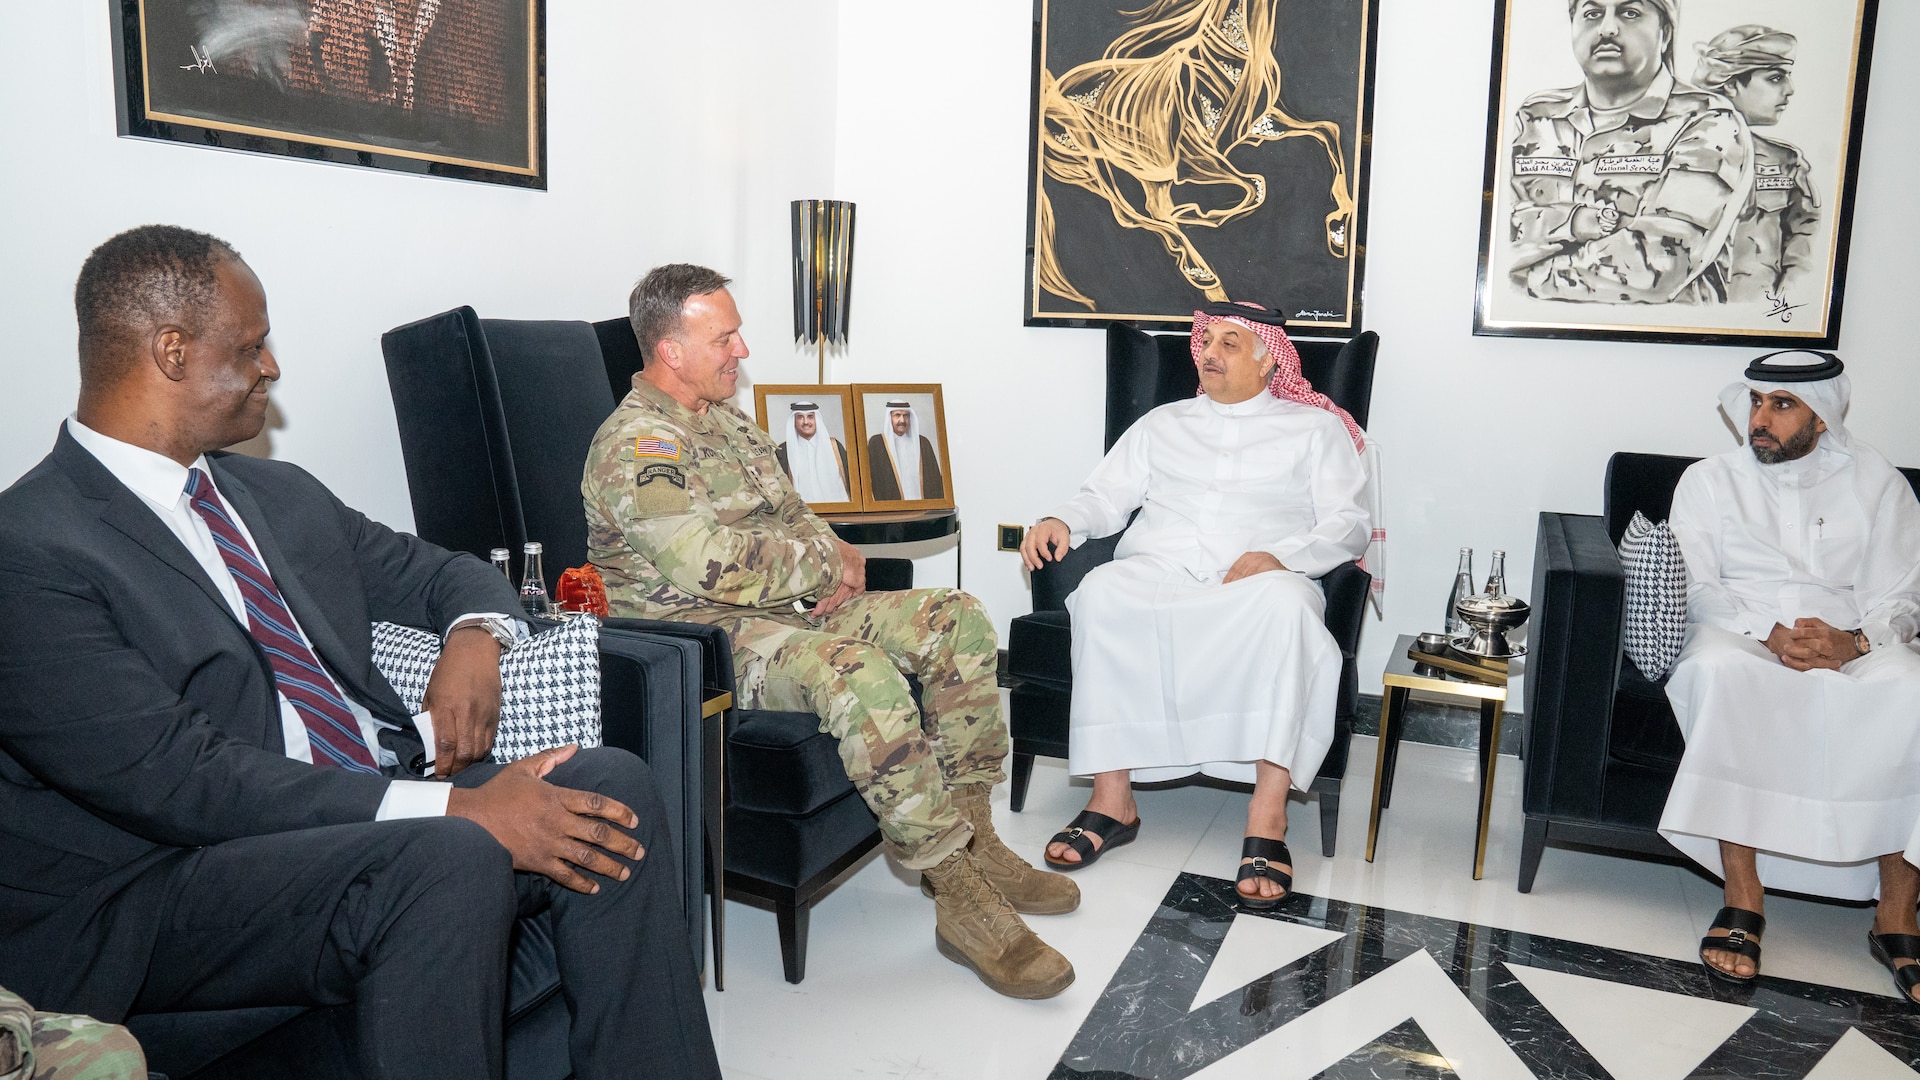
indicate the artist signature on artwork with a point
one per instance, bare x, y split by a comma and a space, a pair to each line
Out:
1316, 315
202, 62
1781, 308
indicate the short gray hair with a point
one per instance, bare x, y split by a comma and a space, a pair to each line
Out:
655, 306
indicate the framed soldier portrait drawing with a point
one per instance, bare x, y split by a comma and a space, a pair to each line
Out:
903, 446
445, 89
817, 445
1185, 152
1670, 171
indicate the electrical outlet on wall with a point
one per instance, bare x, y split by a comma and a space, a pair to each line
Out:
1010, 537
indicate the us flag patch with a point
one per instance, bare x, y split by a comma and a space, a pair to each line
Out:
659, 448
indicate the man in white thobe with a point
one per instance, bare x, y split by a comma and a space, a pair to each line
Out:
1201, 646
901, 460
1797, 692
814, 459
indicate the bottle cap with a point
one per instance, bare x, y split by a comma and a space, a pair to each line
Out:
532, 549
501, 553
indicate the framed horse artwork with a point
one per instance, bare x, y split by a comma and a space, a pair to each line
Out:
1192, 151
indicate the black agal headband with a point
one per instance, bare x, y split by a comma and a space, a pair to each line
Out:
1762, 371
1247, 312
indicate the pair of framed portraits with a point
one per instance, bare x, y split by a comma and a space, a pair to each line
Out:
866, 446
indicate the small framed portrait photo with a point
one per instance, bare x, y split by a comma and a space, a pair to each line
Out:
814, 428
903, 440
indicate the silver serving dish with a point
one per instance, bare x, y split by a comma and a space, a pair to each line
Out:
1489, 619
1431, 643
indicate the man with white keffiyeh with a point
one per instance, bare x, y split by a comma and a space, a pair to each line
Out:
1201, 646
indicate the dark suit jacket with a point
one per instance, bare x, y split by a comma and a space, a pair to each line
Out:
138, 718
887, 486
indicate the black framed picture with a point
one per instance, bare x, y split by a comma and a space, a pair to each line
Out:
440, 87
1672, 172
1192, 151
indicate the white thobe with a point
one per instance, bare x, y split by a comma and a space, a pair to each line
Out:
1175, 672
1819, 770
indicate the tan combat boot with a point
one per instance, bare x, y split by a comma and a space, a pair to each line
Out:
1030, 891
976, 927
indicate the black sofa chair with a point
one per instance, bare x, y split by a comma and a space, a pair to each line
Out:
1144, 371
1602, 743
495, 418
646, 683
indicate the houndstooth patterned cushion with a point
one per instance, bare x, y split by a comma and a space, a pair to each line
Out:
549, 683
1656, 621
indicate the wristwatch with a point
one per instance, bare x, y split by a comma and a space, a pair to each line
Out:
501, 630
1860, 642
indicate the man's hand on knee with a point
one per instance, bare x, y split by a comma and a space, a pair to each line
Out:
853, 567
463, 694
1048, 541
1253, 562
1810, 644
559, 832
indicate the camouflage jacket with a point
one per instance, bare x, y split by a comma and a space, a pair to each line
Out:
1772, 246
690, 517
1677, 168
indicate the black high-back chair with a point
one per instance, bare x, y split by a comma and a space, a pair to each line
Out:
1145, 371
1602, 743
496, 416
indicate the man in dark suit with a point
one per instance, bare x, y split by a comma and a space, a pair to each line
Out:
902, 461
204, 800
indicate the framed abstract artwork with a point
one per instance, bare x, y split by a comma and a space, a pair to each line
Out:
1184, 152
902, 432
1672, 172
819, 445
426, 86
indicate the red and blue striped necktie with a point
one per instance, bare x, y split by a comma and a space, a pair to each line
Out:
332, 731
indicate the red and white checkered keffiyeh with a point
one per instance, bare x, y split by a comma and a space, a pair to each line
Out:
1287, 383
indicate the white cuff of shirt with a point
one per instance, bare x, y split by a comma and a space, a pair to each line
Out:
1880, 634
1758, 627
491, 619
412, 799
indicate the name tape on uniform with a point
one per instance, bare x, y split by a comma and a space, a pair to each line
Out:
1773, 183
1544, 166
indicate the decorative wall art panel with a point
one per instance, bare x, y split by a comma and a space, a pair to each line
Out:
1191, 151
1677, 172
431, 86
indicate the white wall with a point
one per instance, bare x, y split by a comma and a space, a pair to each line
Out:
680, 131
1480, 434
668, 141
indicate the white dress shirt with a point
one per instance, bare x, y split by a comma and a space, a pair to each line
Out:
161, 483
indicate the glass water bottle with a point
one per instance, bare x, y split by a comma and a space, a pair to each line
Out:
499, 557
1497, 576
1462, 588
533, 583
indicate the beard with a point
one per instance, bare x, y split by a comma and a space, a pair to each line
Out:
1792, 448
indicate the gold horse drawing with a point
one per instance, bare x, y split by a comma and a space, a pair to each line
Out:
1187, 84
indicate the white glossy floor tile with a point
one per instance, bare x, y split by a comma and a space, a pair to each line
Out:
1633, 1030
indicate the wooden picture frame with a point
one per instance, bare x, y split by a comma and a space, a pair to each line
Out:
880, 488
1717, 212
458, 92
1202, 151
834, 417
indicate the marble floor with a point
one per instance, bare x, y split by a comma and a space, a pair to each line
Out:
1405, 967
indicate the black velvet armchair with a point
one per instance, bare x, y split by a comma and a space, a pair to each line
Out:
1602, 743
1144, 371
495, 420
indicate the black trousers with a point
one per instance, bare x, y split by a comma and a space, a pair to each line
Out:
404, 926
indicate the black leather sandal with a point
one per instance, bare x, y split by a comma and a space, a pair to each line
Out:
1739, 923
1268, 857
1890, 948
1109, 832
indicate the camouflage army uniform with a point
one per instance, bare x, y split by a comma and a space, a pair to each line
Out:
1773, 240
690, 517
55, 1046
1676, 168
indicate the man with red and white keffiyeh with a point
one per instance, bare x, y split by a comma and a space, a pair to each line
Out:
1201, 646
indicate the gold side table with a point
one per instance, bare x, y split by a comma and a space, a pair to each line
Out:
1484, 681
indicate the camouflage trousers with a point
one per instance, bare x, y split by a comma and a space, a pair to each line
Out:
849, 671
54, 1046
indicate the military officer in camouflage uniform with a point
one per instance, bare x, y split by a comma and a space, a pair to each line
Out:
690, 517
1772, 245
1627, 186
57, 1046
